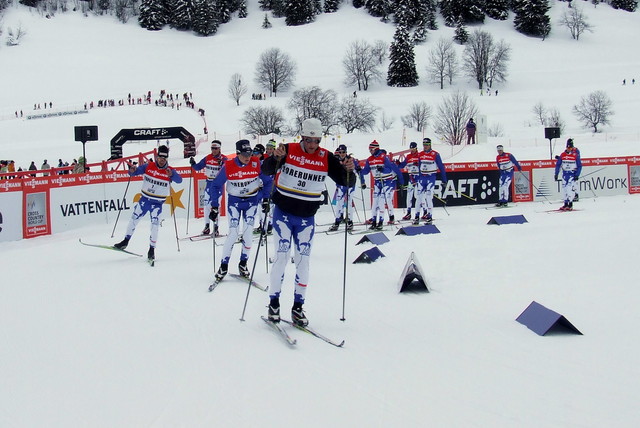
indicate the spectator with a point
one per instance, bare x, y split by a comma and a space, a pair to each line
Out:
33, 167
45, 167
471, 132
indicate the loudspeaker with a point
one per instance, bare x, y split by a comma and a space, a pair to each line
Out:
550, 133
86, 133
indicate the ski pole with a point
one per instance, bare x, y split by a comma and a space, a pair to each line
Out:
123, 202
464, 195
444, 204
344, 260
175, 223
189, 199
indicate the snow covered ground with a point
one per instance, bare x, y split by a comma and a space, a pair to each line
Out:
99, 339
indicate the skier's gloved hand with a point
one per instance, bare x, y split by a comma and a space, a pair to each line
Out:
555, 177
192, 161
213, 214
380, 168
265, 206
363, 186
576, 177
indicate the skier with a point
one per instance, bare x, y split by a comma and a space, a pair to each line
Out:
156, 187
246, 188
571, 165
430, 164
212, 163
411, 164
384, 174
340, 196
570, 144
259, 151
506, 162
300, 169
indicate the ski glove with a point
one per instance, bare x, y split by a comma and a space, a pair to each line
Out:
363, 186
555, 177
213, 214
192, 161
265, 206
576, 177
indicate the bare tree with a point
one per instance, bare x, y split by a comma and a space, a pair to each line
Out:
262, 120
497, 67
314, 102
484, 60
14, 37
356, 114
419, 114
594, 110
576, 21
362, 64
386, 122
554, 120
237, 88
275, 71
452, 117
540, 112
442, 62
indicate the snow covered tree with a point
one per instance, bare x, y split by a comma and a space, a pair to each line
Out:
461, 34
628, 5
266, 23
331, 6
470, 11
223, 11
402, 65
181, 15
299, 12
594, 110
358, 3
378, 8
419, 115
205, 22
497, 9
262, 120
242, 9
532, 18
153, 15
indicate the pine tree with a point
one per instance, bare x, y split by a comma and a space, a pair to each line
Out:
461, 34
242, 9
299, 12
205, 22
497, 9
181, 17
402, 65
266, 23
378, 8
223, 11
358, 3
471, 11
331, 6
153, 15
531, 17
628, 5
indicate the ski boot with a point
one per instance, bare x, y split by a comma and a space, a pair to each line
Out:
297, 315
206, 230
151, 254
222, 272
349, 224
122, 244
429, 219
242, 267
334, 226
392, 219
416, 221
274, 310
407, 216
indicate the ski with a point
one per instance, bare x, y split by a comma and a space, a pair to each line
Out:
314, 333
201, 237
562, 211
245, 279
109, 247
214, 285
281, 331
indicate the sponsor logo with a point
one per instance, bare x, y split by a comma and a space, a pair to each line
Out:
150, 132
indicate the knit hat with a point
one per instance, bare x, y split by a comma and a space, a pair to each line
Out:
342, 148
271, 143
243, 146
311, 128
426, 141
570, 142
500, 147
374, 145
259, 149
216, 144
413, 145
163, 151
